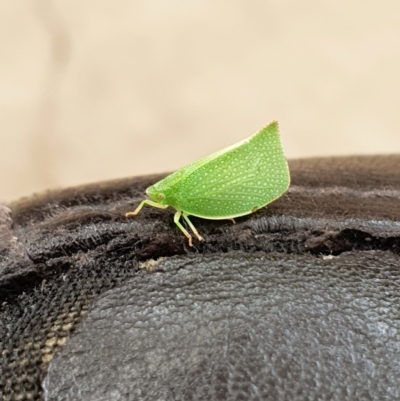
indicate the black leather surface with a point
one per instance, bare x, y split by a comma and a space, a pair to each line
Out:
241, 327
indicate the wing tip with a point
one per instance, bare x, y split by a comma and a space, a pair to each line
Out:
273, 125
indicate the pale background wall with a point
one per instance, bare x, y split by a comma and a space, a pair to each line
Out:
100, 89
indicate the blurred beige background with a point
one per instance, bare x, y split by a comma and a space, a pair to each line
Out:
99, 89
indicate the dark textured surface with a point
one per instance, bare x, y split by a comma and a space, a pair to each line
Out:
60, 251
242, 327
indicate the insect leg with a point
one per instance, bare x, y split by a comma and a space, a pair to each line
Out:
145, 202
186, 217
180, 226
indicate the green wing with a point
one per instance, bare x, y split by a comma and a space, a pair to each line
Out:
236, 180
174, 180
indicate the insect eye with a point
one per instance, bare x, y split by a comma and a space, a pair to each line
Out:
160, 196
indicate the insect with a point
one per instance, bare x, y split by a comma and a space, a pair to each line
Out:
233, 182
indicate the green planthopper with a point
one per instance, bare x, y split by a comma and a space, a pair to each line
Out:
233, 182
